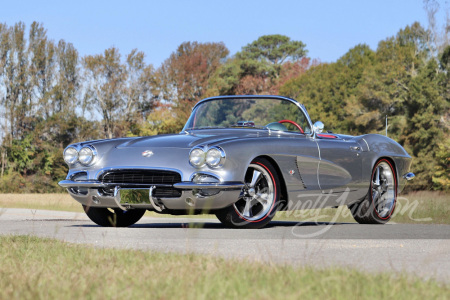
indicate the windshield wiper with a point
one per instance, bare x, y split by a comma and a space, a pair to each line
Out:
249, 127
206, 127
231, 126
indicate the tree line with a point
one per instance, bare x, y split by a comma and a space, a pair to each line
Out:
51, 97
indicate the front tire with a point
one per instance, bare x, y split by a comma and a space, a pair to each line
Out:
379, 204
113, 217
259, 199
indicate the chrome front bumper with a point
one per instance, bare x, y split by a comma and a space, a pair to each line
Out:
218, 195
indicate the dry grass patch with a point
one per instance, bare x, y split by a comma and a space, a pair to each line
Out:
61, 202
426, 207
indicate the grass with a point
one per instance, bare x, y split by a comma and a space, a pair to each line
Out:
424, 207
60, 202
36, 268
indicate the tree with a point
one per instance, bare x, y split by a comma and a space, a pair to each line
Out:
275, 49
14, 64
42, 71
68, 80
437, 39
261, 67
119, 91
400, 79
141, 87
426, 129
106, 78
185, 75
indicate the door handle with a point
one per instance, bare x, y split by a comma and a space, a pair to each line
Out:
355, 148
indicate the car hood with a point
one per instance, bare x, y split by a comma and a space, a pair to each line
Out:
191, 139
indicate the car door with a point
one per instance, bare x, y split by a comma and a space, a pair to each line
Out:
340, 164
308, 161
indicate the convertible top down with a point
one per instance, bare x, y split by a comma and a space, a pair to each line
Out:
242, 158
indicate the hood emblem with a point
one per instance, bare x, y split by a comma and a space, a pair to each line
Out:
147, 153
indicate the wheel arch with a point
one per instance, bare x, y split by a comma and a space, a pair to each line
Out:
375, 159
283, 188
392, 162
390, 159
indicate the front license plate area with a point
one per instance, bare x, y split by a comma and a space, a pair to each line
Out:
134, 196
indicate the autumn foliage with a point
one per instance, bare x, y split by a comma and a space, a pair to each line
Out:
51, 97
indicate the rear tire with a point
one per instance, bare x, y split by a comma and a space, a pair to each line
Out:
113, 217
379, 204
259, 199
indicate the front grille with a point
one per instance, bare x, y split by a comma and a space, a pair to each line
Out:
166, 193
159, 192
141, 177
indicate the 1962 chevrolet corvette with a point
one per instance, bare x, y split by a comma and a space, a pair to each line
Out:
242, 158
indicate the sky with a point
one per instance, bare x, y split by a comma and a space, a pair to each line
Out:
328, 28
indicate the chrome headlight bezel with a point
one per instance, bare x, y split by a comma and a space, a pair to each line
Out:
197, 157
74, 156
91, 154
215, 157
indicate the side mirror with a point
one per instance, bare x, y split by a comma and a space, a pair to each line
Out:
318, 127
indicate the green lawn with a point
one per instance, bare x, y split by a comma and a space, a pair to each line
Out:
35, 268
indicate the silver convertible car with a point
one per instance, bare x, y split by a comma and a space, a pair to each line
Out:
242, 158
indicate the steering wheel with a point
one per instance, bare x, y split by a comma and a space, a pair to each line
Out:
293, 123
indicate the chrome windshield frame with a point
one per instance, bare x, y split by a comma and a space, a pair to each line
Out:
300, 106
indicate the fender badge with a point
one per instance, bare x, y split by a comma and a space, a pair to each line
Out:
291, 172
147, 153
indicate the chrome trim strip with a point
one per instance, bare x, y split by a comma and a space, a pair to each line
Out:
222, 186
180, 185
157, 207
87, 184
368, 148
136, 185
318, 165
117, 198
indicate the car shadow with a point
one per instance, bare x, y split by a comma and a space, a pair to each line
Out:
213, 225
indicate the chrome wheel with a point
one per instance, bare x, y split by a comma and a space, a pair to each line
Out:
383, 189
258, 197
379, 203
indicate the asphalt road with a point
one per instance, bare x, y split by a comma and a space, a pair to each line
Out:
420, 250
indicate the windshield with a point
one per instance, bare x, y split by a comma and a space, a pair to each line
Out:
274, 114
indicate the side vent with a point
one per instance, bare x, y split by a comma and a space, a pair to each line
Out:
300, 174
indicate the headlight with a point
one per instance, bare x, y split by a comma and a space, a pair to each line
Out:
70, 155
215, 157
205, 178
197, 157
86, 155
